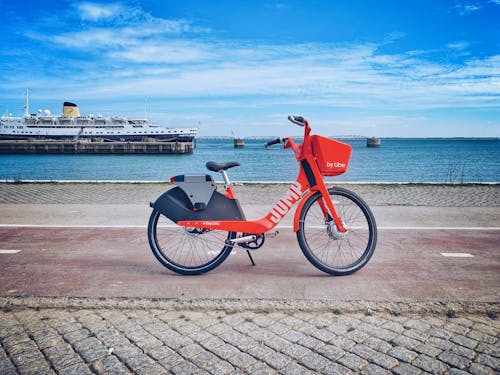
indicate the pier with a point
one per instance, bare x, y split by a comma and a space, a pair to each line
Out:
373, 142
239, 143
83, 147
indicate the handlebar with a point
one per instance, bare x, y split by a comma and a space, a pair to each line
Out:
298, 120
273, 142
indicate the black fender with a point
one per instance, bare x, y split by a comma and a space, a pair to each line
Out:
177, 206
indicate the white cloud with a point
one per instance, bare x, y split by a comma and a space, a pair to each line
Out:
96, 12
464, 9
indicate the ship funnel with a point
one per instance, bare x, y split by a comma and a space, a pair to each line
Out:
70, 110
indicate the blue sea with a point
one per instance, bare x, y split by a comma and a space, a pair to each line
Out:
397, 160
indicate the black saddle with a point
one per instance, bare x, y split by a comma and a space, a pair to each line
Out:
217, 167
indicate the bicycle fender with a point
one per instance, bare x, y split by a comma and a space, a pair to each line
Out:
299, 209
176, 205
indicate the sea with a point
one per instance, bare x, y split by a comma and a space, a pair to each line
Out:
397, 160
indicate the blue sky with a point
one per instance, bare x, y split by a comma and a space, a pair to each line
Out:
384, 68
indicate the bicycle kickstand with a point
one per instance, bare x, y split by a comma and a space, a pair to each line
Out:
250, 256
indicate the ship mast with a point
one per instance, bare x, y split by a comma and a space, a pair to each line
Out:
26, 104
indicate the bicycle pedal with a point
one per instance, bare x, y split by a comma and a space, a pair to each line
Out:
272, 234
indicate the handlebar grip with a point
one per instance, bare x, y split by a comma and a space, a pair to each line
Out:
298, 120
273, 142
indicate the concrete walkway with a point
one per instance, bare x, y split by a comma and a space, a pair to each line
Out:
352, 324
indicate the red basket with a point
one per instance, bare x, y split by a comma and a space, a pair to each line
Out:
332, 156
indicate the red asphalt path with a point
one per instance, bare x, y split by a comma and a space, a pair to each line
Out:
117, 262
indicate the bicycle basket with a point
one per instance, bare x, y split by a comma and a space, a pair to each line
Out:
331, 156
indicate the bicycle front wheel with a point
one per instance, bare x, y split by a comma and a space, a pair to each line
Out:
188, 251
324, 246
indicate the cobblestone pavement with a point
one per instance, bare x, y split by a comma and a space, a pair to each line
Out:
264, 341
141, 193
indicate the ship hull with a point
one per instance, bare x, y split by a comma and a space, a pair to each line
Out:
103, 137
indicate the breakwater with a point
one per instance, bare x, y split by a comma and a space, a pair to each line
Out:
82, 147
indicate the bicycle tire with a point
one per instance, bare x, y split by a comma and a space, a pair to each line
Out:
187, 251
330, 251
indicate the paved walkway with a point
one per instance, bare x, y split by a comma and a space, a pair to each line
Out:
154, 336
267, 340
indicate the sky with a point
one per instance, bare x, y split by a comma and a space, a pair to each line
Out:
413, 68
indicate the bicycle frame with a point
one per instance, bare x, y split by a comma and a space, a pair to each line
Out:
308, 182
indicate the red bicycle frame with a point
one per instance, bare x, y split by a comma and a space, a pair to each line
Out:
309, 181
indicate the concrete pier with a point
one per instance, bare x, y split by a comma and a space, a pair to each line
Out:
83, 147
373, 142
239, 143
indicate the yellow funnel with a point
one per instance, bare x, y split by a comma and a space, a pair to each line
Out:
70, 110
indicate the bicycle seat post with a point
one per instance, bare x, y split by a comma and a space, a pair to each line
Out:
227, 183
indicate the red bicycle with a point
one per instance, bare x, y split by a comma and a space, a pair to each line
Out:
193, 227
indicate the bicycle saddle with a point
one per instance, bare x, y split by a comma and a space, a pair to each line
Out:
217, 167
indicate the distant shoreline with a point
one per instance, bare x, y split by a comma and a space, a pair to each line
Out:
263, 137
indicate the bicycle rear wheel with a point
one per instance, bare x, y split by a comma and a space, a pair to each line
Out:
322, 244
188, 251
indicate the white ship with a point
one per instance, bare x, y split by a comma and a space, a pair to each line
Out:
71, 125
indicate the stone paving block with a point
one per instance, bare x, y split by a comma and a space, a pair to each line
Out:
372, 369
260, 351
75, 336
296, 351
212, 342
159, 352
394, 327
487, 360
106, 364
242, 360
378, 345
277, 343
184, 368
90, 349
261, 334
405, 342
28, 357
430, 350
406, 369
430, 364
478, 369
225, 351
314, 361
331, 352
456, 328
421, 336
492, 350
462, 351
204, 359
124, 351
190, 350
363, 351
482, 337
62, 356
310, 342
294, 369
384, 360
171, 361
455, 371
279, 328
353, 362
277, 360
439, 343
464, 341
138, 361
336, 369
403, 354
155, 369
220, 368
76, 369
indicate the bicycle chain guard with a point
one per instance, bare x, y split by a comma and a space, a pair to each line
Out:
253, 245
